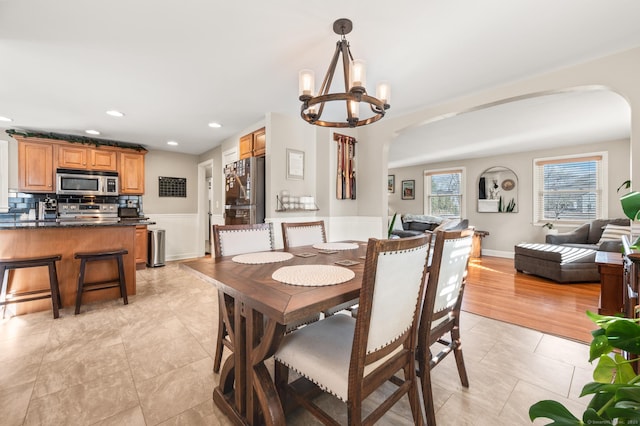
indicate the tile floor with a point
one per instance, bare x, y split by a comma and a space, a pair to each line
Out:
150, 363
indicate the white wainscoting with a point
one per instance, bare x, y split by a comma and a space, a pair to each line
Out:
181, 234
341, 228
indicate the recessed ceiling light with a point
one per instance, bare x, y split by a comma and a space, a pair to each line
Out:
215, 125
115, 113
172, 143
92, 132
5, 119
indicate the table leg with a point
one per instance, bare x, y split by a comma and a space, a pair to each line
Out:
246, 390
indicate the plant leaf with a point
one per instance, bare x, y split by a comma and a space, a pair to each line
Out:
625, 372
628, 396
605, 371
599, 346
624, 335
555, 411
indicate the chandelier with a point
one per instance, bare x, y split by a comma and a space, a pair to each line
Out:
354, 88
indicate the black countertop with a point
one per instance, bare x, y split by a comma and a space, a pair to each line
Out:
37, 224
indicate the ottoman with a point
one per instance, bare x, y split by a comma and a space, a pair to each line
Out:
558, 263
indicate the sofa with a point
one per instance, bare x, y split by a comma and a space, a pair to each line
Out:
410, 225
589, 235
570, 257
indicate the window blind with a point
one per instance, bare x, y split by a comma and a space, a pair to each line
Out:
569, 189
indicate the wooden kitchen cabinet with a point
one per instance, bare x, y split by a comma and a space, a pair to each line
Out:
81, 157
131, 171
253, 144
141, 246
35, 167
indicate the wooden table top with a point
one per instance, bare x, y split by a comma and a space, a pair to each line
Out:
253, 285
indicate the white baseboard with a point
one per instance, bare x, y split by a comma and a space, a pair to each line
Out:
498, 253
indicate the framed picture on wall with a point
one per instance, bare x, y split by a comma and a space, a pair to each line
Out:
295, 164
408, 189
391, 183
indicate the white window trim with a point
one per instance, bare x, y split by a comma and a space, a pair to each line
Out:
463, 188
604, 204
4, 176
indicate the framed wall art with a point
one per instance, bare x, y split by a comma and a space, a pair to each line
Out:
295, 164
408, 189
391, 184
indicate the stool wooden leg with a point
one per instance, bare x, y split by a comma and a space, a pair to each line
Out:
55, 291
4, 275
80, 286
123, 284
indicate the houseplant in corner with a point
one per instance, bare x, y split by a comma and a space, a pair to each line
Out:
616, 386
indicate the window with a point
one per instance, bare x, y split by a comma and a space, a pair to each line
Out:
570, 189
443, 193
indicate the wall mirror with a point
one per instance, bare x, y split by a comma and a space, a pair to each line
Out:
498, 191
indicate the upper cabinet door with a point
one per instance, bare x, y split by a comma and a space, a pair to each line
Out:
259, 142
103, 160
246, 146
131, 172
35, 167
71, 156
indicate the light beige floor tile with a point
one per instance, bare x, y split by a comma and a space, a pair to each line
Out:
152, 360
538, 370
93, 362
86, 403
98, 324
205, 414
172, 393
57, 351
22, 346
516, 410
12, 327
19, 371
130, 417
148, 333
574, 353
14, 402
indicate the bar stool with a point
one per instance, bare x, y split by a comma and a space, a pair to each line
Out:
101, 285
26, 296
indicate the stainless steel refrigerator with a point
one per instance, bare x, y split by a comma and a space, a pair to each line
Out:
244, 191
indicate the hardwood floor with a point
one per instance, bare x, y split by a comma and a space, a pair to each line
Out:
495, 290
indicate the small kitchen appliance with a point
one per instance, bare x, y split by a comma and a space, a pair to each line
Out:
47, 209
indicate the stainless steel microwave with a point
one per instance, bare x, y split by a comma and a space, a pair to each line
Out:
86, 182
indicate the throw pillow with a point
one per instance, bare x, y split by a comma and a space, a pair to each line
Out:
614, 233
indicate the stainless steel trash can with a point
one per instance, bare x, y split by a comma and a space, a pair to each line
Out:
155, 244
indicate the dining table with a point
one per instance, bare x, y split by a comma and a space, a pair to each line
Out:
266, 291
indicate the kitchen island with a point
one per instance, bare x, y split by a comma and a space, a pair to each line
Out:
45, 238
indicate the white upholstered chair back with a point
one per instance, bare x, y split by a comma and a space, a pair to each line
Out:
230, 240
303, 233
398, 283
453, 268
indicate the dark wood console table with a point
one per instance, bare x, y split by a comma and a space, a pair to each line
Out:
611, 268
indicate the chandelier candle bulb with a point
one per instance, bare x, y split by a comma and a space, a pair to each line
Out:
383, 92
306, 80
358, 73
354, 107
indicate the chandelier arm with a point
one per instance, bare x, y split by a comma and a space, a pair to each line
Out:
344, 46
328, 77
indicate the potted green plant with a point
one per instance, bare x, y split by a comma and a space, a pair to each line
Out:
631, 207
616, 386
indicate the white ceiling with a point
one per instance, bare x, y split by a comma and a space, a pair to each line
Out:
173, 66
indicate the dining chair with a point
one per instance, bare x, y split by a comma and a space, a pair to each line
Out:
296, 234
352, 357
229, 240
440, 319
